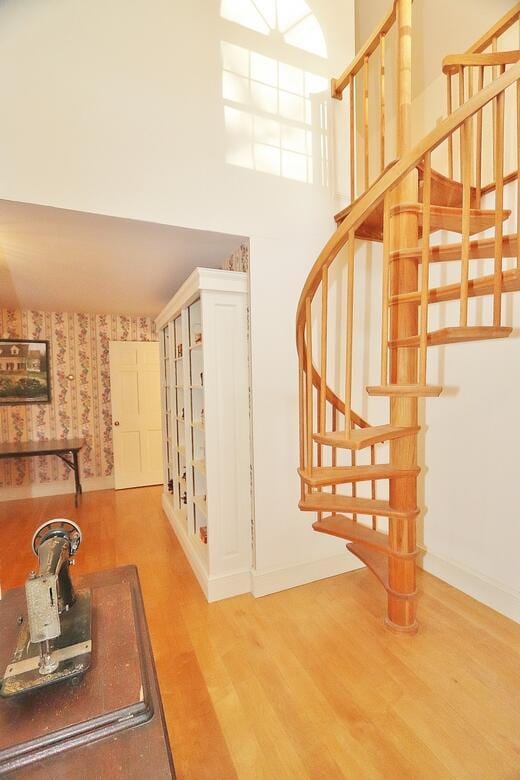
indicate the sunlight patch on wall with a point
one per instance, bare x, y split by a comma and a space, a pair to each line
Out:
292, 19
270, 121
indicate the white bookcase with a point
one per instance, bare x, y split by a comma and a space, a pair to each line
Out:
206, 428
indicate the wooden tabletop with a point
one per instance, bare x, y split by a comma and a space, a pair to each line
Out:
24, 448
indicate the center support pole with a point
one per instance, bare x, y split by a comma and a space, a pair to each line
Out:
404, 233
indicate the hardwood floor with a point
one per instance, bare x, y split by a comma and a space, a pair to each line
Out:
305, 683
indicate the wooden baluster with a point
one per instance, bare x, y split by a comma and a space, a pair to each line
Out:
466, 204
384, 302
334, 458
352, 138
461, 102
518, 169
494, 47
319, 447
308, 346
450, 137
303, 420
425, 266
373, 485
470, 126
351, 245
323, 348
478, 177
499, 207
382, 103
354, 484
365, 124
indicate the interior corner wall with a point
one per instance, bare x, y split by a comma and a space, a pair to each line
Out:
196, 113
80, 407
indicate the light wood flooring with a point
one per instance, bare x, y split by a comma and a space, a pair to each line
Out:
305, 683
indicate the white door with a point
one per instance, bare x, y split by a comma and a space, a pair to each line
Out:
136, 413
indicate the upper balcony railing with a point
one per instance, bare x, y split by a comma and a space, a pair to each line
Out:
354, 84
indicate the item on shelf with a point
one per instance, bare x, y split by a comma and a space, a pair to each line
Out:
197, 337
184, 475
182, 413
184, 498
179, 350
201, 379
203, 533
202, 415
170, 485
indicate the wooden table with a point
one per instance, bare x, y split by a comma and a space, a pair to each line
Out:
107, 723
65, 449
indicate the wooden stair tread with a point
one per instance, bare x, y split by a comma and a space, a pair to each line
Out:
334, 502
410, 391
337, 475
363, 437
444, 191
455, 335
479, 249
347, 528
450, 217
375, 561
482, 285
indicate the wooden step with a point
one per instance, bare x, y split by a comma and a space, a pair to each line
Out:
363, 437
339, 475
445, 191
450, 218
479, 249
347, 528
372, 227
334, 502
405, 391
482, 285
455, 335
376, 562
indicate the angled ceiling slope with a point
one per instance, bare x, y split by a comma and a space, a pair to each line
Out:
58, 260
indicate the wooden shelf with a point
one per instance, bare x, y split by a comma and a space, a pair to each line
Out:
196, 387
198, 424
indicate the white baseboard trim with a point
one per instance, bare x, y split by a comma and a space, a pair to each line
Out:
58, 488
489, 592
215, 588
274, 580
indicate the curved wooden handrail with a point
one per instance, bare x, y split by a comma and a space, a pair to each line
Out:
453, 62
339, 85
376, 193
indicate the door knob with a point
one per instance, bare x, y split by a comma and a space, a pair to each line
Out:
116, 422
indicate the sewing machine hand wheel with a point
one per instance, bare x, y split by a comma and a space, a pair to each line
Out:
58, 527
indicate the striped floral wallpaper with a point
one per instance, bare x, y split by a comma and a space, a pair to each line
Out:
80, 407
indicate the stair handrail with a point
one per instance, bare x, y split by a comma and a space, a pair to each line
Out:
399, 14
463, 67
375, 194
339, 85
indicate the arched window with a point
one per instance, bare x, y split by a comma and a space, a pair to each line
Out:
274, 122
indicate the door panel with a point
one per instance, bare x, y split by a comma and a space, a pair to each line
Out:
136, 413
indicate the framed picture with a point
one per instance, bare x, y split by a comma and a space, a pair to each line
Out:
24, 372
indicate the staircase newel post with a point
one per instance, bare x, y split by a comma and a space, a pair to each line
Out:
404, 233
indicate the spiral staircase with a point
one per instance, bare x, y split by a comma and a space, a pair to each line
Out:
436, 185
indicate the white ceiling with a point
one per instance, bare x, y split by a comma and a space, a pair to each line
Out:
59, 260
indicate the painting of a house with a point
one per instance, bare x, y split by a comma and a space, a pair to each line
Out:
24, 372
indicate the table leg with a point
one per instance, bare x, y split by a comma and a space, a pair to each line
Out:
77, 482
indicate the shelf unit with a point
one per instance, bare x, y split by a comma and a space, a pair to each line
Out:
206, 428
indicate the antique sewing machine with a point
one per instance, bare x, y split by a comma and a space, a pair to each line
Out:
54, 639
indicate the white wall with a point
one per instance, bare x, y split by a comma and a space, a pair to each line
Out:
470, 490
117, 108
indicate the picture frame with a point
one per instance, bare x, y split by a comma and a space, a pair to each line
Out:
24, 371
